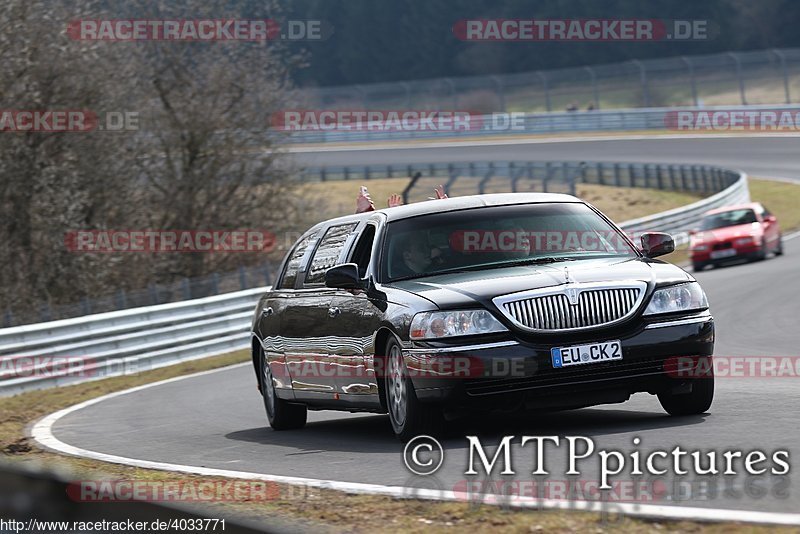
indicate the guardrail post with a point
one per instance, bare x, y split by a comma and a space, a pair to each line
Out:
600, 178
617, 177
322, 174
45, 312
242, 278
346, 171
684, 183
501, 91
122, 302
414, 179
695, 180
631, 175
785, 73
643, 82
646, 175
366, 172
690, 68
267, 275
738, 64
706, 179
593, 78
659, 177
672, 178
486, 177
153, 290
547, 105
86, 306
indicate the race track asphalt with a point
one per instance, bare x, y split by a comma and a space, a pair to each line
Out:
217, 420
757, 155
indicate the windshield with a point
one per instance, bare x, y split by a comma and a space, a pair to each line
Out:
488, 237
729, 218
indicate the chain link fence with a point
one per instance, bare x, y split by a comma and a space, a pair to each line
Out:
731, 78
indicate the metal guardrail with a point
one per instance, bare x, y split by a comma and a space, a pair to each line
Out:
467, 178
661, 118
129, 341
111, 344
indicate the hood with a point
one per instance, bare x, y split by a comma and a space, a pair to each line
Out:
727, 233
467, 288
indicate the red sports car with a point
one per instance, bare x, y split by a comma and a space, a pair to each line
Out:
746, 231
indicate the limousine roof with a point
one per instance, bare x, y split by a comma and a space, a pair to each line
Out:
459, 203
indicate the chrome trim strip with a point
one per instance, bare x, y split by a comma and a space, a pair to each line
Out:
692, 320
461, 349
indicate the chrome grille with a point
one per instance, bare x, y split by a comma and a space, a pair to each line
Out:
553, 312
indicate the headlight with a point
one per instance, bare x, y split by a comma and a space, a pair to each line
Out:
683, 297
430, 325
744, 241
700, 247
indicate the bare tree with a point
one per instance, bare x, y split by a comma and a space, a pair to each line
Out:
201, 158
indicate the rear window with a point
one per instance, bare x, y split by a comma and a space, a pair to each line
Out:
328, 252
293, 263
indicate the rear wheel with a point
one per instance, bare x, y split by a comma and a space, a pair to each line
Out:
696, 402
779, 250
409, 416
282, 415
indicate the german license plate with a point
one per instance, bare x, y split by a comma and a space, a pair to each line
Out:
583, 354
727, 253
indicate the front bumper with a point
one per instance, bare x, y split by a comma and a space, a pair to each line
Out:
749, 251
514, 371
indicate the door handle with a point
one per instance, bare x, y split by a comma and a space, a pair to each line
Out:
333, 312
266, 312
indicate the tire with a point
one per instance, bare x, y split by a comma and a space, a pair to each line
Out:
281, 415
779, 250
762, 253
697, 267
409, 416
696, 402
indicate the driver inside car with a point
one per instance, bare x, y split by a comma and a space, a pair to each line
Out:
414, 255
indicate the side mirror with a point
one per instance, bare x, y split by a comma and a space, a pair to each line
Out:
344, 276
770, 219
656, 244
693, 231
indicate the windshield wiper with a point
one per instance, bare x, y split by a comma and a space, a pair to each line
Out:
537, 261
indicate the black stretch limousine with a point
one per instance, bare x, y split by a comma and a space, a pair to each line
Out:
453, 306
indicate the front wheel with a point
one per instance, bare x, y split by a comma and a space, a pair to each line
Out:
408, 415
779, 250
695, 402
282, 415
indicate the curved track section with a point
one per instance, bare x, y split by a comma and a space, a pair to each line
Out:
758, 155
213, 423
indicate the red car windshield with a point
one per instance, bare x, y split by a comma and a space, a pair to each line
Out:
729, 218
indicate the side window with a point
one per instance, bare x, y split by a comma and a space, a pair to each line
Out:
293, 265
327, 253
363, 250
